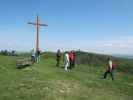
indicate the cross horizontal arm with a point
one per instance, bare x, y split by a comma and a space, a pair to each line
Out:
38, 24
42, 24
31, 23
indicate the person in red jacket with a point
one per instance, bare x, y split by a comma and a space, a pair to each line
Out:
74, 59
71, 59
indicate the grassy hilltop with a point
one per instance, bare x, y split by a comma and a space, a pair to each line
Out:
44, 81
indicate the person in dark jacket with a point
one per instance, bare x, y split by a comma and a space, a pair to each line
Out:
37, 55
58, 57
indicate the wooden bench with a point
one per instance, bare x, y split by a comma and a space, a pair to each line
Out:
23, 62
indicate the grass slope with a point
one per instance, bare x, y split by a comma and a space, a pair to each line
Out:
44, 81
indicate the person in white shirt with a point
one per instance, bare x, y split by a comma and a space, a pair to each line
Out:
109, 70
67, 63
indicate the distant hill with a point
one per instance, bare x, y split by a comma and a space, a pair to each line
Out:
124, 56
93, 59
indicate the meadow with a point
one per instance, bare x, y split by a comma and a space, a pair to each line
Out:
45, 81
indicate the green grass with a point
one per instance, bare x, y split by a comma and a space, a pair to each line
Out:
45, 81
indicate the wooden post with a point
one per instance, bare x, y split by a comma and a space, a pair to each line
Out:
37, 24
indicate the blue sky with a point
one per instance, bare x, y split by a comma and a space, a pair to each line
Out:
102, 26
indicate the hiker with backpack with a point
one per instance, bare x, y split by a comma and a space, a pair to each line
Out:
111, 67
58, 57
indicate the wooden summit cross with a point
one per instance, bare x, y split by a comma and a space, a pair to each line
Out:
37, 24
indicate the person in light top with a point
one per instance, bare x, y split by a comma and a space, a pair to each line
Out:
67, 63
110, 69
33, 56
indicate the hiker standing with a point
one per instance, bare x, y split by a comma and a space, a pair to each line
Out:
110, 69
74, 58
37, 55
58, 57
67, 63
33, 56
71, 58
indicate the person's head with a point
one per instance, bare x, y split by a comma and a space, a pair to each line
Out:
73, 52
109, 59
66, 52
58, 50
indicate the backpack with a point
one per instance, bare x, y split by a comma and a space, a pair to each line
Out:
71, 56
114, 65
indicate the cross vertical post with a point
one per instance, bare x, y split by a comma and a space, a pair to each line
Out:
37, 39
37, 24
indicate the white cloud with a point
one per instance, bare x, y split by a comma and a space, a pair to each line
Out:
122, 45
